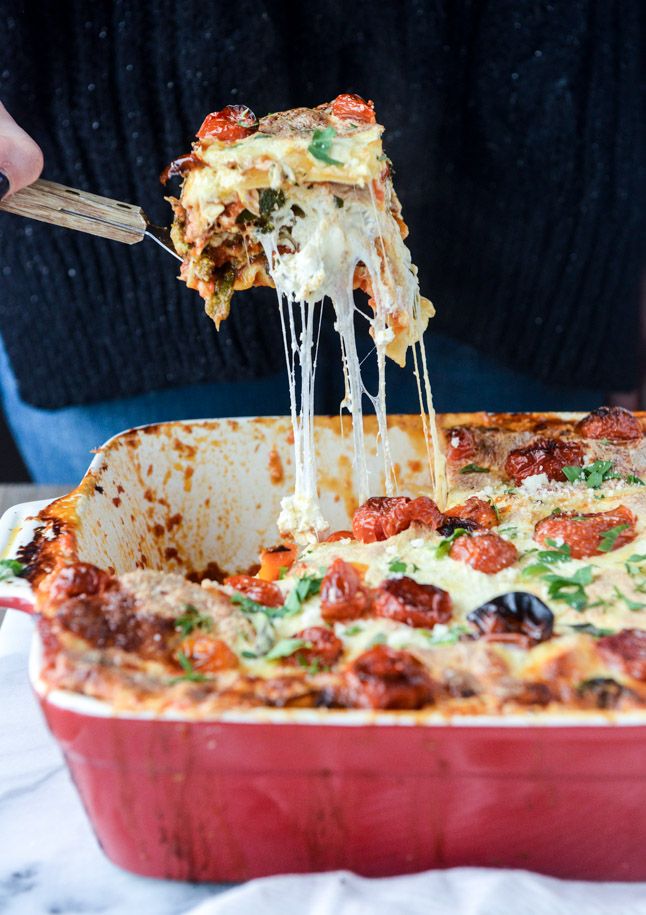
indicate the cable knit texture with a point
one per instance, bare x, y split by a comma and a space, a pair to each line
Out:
513, 126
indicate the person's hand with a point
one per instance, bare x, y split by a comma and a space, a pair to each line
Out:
21, 160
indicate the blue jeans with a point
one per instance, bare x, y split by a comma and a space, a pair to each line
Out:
56, 444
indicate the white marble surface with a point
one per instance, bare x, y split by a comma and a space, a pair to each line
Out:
50, 861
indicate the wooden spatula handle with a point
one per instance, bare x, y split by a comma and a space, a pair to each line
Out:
65, 206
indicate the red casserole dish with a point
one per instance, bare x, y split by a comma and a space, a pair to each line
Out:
264, 791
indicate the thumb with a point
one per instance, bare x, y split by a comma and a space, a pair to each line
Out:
21, 160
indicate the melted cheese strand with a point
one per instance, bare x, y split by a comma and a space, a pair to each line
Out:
313, 256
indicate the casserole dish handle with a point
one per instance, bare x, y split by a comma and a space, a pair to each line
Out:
17, 527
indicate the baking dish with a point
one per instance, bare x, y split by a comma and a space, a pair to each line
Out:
264, 791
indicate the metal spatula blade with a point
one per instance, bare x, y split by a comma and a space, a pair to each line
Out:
54, 203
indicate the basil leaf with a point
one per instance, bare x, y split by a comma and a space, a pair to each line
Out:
609, 537
321, 144
11, 568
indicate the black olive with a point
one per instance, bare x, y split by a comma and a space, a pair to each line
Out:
604, 691
450, 525
515, 612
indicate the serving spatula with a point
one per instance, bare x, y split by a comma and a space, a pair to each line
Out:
66, 206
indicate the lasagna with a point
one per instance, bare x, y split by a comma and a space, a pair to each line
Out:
303, 201
525, 593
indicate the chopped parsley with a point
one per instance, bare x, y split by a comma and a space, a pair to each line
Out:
321, 145
590, 629
510, 531
192, 619
398, 565
11, 568
445, 636
304, 588
633, 605
474, 468
570, 590
593, 475
286, 647
634, 481
547, 558
444, 546
189, 673
282, 571
609, 537
353, 630
495, 510
634, 564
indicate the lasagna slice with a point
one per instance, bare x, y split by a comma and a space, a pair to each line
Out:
303, 201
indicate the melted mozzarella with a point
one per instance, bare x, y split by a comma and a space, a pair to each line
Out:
311, 257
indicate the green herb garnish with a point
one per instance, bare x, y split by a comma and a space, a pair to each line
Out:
286, 647
450, 637
609, 537
590, 629
594, 475
474, 468
570, 590
304, 588
444, 546
353, 630
634, 481
633, 605
192, 619
189, 673
547, 558
634, 564
397, 565
321, 145
11, 568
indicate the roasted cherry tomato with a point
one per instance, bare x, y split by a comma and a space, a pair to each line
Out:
234, 122
484, 551
339, 535
514, 617
325, 648
343, 596
545, 455
351, 107
208, 654
614, 423
475, 509
387, 679
626, 650
584, 533
384, 516
78, 579
461, 443
263, 592
407, 601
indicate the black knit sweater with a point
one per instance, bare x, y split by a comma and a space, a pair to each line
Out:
513, 126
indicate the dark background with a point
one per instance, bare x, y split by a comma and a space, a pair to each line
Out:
12, 469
